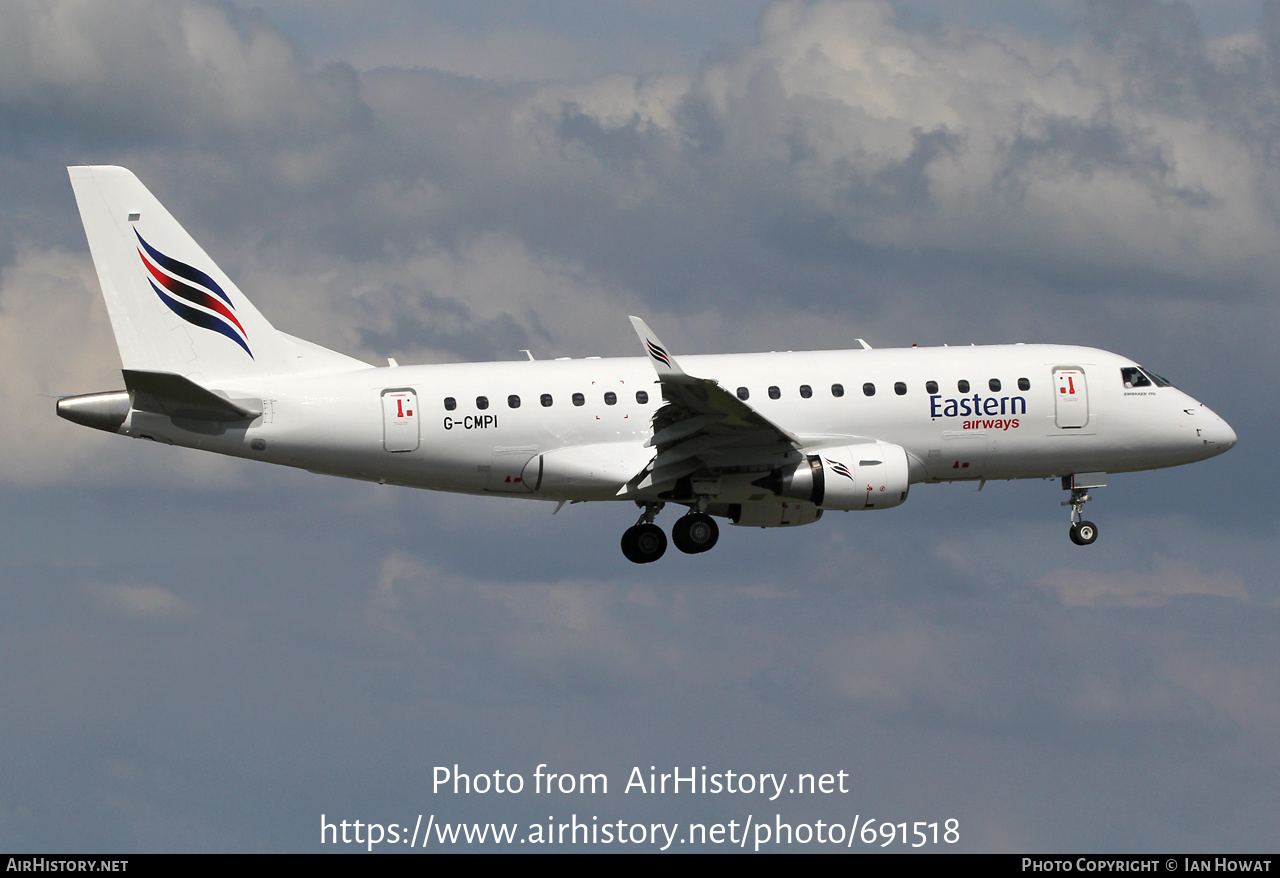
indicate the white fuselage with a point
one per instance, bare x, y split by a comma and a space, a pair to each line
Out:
1059, 410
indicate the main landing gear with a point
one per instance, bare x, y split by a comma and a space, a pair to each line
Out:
696, 533
1082, 532
644, 541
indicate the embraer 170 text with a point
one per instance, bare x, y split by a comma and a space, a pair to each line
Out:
764, 440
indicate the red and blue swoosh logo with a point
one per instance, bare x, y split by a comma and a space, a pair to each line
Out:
656, 351
840, 468
192, 294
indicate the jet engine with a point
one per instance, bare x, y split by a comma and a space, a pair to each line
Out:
868, 475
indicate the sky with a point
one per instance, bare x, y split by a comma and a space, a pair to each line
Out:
213, 655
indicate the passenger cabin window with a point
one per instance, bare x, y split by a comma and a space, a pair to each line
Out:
513, 401
610, 398
837, 390
774, 393
579, 399
868, 389
805, 391
1024, 384
482, 402
931, 387
744, 394
900, 388
642, 397
962, 386
546, 400
994, 384
450, 403
1133, 377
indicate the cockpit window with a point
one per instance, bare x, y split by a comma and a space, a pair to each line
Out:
1133, 377
1136, 377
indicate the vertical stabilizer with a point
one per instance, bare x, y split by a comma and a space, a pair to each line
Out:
172, 309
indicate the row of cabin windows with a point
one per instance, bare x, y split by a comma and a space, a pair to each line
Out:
869, 389
513, 401
775, 392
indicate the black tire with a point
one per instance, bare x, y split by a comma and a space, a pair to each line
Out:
644, 543
629, 549
651, 542
1085, 533
695, 533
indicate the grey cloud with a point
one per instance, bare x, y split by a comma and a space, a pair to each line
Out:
143, 70
844, 167
205, 654
669, 188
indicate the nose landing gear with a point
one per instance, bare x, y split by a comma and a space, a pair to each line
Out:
1082, 533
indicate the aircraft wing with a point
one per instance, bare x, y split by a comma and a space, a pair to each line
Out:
702, 426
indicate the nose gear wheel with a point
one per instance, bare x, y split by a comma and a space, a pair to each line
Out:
1082, 533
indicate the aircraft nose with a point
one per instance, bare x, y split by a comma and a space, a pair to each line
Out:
1228, 435
1218, 435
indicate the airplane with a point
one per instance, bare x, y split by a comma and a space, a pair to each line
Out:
762, 439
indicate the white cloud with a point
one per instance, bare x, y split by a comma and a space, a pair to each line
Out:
994, 141
893, 180
149, 68
54, 339
488, 297
1171, 578
137, 601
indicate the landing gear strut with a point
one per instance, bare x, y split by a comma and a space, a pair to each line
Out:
644, 541
1082, 532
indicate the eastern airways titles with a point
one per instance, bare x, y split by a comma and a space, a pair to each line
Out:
976, 406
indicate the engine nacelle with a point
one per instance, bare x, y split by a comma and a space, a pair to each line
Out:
869, 475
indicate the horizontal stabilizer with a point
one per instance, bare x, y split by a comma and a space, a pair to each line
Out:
169, 394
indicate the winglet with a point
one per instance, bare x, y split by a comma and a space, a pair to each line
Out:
663, 362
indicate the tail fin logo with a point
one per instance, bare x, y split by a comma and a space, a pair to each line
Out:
192, 294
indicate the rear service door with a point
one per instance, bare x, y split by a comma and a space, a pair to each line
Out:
399, 420
1071, 398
